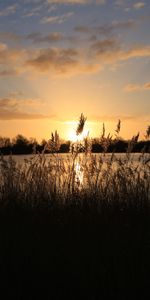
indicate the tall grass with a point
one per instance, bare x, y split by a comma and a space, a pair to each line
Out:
75, 224
84, 180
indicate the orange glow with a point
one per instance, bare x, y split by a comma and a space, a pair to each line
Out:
77, 138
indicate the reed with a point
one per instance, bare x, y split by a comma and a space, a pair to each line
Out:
98, 180
76, 223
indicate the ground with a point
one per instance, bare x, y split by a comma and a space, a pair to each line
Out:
74, 253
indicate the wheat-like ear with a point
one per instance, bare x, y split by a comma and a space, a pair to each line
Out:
118, 126
148, 132
103, 131
81, 124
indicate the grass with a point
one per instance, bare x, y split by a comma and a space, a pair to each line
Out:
77, 225
97, 180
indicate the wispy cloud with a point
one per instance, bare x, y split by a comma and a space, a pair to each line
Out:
139, 5
11, 60
131, 87
37, 37
9, 72
77, 1
30, 14
60, 62
114, 118
9, 36
110, 118
147, 85
9, 10
52, 58
10, 109
106, 29
38, 7
126, 24
57, 19
111, 51
66, 61
10, 55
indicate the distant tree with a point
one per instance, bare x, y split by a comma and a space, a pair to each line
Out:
33, 145
20, 141
64, 148
43, 143
5, 142
53, 144
21, 145
5, 145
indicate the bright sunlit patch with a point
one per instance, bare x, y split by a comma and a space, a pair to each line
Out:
77, 138
79, 174
71, 132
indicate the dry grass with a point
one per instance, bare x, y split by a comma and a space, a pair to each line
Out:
77, 179
75, 223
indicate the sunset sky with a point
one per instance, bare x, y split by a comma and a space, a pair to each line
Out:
59, 58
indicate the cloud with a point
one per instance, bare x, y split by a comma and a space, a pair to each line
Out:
106, 29
77, 1
104, 46
11, 60
127, 24
136, 87
57, 19
10, 109
9, 72
138, 5
9, 36
30, 14
9, 10
114, 118
10, 55
132, 87
73, 61
103, 34
54, 61
60, 62
110, 51
51, 37
89, 57
110, 118
100, 30
147, 85
53, 58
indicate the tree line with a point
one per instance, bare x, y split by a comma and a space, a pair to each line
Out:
21, 145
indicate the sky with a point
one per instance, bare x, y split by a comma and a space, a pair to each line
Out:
61, 58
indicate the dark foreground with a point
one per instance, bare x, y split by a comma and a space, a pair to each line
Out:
74, 253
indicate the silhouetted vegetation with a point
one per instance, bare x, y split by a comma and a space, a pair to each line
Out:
21, 145
76, 226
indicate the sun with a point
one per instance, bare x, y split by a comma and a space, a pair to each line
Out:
77, 138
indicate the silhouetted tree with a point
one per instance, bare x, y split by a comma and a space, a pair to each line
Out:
20, 145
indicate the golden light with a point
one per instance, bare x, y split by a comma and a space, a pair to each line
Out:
79, 173
71, 132
77, 138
